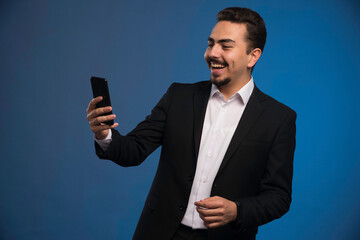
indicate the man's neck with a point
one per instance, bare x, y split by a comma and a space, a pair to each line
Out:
233, 86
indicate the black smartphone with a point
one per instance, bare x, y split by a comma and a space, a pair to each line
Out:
100, 88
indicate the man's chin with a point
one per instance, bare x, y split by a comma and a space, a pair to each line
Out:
219, 82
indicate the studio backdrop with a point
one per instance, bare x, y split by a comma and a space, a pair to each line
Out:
53, 186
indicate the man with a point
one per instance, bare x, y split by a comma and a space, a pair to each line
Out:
227, 148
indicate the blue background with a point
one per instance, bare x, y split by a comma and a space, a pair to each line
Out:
52, 185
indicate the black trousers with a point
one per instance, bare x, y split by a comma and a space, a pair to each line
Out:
187, 233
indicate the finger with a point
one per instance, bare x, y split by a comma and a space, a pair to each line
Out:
114, 125
214, 224
214, 198
92, 104
101, 119
98, 111
210, 204
207, 200
210, 212
99, 128
209, 220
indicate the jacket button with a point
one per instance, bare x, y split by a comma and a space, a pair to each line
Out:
181, 208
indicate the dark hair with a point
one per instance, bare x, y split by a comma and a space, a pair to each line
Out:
255, 25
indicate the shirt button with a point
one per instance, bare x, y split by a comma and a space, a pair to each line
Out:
204, 180
209, 155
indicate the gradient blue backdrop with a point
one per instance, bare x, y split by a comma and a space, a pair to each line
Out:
52, 186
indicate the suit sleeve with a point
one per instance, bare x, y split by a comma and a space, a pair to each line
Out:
132, 149
276, 185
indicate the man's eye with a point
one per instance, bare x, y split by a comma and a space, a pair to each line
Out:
210, 44
225, 46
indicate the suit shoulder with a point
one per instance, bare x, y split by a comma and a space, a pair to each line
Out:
275, 104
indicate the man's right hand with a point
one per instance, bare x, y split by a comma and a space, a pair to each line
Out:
100, 129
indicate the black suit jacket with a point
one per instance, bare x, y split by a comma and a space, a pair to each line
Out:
256, 171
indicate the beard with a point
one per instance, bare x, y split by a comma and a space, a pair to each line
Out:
220, 83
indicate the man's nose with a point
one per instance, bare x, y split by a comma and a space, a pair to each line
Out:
215, 51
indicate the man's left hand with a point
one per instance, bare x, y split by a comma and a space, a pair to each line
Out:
216, 211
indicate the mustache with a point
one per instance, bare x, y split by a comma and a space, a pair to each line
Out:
216, 61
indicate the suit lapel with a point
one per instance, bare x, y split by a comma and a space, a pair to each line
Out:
251, 113
201, 98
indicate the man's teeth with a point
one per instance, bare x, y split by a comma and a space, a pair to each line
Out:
217, 65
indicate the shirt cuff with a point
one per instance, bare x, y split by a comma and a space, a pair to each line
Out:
104, 144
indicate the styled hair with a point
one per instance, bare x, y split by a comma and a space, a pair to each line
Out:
255, 25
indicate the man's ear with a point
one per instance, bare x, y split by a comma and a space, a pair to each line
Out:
254, 56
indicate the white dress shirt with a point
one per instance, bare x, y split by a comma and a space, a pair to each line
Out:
221, 120
104, 144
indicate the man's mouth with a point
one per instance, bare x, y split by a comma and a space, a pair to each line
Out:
217, 68
217, 65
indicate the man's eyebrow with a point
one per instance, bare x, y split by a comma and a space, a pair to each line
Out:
227, 40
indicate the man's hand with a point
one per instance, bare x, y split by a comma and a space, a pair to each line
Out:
216, 211
100, 129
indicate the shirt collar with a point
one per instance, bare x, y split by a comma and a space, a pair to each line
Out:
244, 92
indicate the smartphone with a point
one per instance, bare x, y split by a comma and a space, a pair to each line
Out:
100, 88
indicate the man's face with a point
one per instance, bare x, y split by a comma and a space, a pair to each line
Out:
226, 53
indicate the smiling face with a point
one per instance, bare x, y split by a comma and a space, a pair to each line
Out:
227, 56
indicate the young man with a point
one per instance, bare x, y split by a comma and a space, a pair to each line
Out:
227, 148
